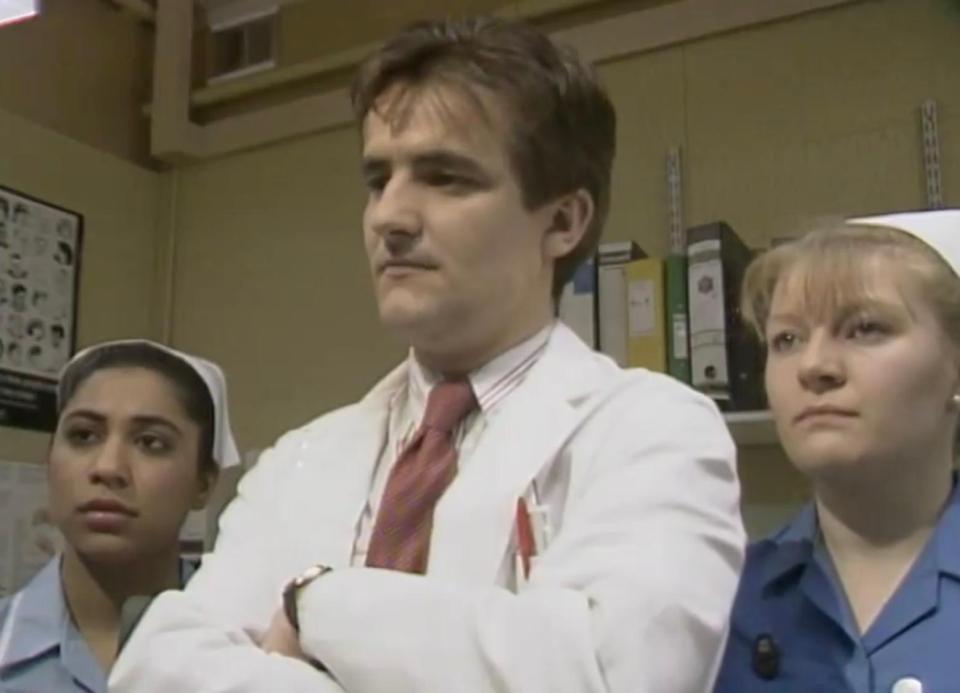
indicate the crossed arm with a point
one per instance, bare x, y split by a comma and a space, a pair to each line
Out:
632, 595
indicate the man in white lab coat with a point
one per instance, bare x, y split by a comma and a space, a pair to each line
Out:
507, 510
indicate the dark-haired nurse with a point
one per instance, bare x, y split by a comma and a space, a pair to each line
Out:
142, 432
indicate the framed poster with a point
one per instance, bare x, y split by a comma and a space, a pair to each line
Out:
40, 247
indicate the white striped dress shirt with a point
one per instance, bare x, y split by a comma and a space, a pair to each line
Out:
492, 383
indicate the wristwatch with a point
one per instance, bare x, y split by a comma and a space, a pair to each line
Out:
292, 590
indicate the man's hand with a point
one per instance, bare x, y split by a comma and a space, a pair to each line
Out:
282, 638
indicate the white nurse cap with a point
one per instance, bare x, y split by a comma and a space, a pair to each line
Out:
225, 452
939, 229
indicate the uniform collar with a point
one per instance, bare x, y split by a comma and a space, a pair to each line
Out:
39, 622
919, 593
794, 544
37, 618
187, 569
791, 548
945, 534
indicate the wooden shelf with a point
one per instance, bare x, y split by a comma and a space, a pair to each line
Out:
752, 427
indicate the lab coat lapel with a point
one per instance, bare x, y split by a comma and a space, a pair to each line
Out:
473, 523
339, 472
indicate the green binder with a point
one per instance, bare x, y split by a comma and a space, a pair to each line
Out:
678, 332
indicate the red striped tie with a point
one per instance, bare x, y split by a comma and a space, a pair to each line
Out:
401, 534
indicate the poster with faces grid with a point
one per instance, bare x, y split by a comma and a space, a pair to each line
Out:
39, 271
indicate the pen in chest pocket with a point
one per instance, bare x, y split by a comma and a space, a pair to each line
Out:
532, 528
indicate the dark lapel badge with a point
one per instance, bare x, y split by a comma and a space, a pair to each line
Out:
766, 657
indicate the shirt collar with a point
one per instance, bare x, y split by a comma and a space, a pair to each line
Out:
37, 618
946, 533
187, 569
492, 381
794, 544
791, 547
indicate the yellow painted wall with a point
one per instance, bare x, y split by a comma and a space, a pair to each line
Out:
119, 202
312, 29
271, 281
836, 126
81, 68
788, 121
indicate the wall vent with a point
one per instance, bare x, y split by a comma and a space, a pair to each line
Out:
242, 46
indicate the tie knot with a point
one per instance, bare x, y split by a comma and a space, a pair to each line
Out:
449, 402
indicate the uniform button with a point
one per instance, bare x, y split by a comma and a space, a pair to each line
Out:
907, 685
766, 657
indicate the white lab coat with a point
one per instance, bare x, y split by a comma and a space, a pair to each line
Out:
631, 596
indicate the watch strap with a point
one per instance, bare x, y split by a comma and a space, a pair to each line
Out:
292, 590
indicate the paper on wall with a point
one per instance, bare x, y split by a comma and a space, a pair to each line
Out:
28, 538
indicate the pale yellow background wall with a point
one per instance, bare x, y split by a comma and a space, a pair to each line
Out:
271, 281
311, 29
119, 202
788, 121
81, 68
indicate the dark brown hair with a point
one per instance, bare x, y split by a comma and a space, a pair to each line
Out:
191, 391
562, 126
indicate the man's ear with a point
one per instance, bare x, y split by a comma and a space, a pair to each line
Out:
206, 482
570, 217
